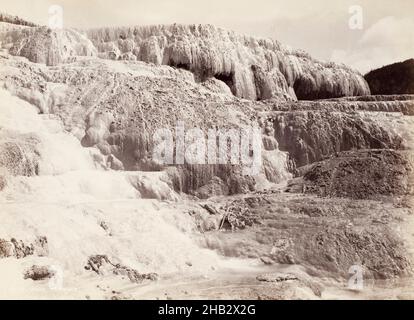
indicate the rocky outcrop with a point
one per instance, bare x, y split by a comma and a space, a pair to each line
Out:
47, 46
396, 78
359, 174
19, 249
19, 154
36, 273
101, 265
310, 136
215, 187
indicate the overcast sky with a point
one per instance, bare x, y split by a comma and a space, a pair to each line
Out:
318, 26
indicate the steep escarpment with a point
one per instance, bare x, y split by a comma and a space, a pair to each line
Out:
396, 78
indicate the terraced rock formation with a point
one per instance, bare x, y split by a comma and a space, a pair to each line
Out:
254, 69
79, 111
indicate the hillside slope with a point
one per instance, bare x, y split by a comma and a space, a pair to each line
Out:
396, 78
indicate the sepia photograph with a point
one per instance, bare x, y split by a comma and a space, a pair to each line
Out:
221, 150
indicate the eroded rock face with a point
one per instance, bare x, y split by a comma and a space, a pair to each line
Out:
310, 136
215, 187
51, 47
19, 154
101, 264
20, 249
